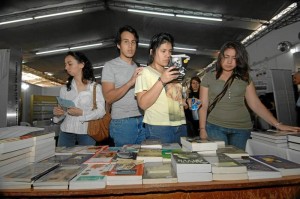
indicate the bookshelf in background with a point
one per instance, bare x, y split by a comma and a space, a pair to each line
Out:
41, 107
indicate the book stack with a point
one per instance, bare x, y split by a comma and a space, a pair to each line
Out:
151, 144
150, 155
225, 168
132, 147
124, 155
126, 172
158, 172
285, 167
196, 144
257, 170
15, 153
26, 175
43, 147
273, 138
294, 142
232, 152
92, 177
190, 167
167, 149
58, 178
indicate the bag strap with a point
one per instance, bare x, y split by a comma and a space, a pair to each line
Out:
94, 96
219, 97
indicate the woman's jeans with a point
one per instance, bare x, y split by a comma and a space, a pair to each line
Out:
235, 137
167, 134
70, 139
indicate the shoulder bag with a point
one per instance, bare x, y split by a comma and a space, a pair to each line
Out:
99, 129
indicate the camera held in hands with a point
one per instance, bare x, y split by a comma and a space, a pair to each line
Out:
180, 62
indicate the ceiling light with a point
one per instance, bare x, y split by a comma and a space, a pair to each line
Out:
96, 67
97, 77
143, 44
15, 21
52, 51
86, 46
57, 14
188, 49
199, 17
151, 12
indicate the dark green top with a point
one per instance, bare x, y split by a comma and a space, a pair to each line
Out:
231, 110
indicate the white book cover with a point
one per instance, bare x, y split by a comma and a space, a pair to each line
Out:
271, 134
294, 146
17, 131
194, 177
229, 176
13, 144
12, 154
196, 144
294, 138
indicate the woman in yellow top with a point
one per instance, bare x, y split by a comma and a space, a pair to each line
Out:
159, 96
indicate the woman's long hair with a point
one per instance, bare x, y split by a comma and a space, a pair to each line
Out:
194, 79
87, 70
241, 71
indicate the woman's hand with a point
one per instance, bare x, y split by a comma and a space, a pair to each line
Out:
203, 134
74, 111
58, 111
169, 74
283, 127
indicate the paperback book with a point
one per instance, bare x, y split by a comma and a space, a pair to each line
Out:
294, 138
222, 163
196, 144
92, 177
158, 172
126, 172
58, 178
30, 172
150, 155
102, 157
151, 144
285, 167
232, 151
257, 170
185, 162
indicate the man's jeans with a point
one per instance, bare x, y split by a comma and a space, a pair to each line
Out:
127, 131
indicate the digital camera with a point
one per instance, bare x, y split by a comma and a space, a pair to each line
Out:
180, 62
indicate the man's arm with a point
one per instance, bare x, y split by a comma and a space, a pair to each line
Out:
112, 94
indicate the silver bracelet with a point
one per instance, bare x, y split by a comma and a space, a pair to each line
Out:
277, 124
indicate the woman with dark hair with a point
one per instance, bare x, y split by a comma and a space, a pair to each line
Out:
78, 89
159, 96
224, 93
193, 94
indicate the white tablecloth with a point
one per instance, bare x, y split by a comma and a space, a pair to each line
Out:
254, 147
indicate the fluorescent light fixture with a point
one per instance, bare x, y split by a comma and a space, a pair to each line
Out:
199, 17
144, 65
48, 73
52, 51
15, 21
151, 12
97, 77
86, 46
57, 14
188, 49
96, 67
24, 86
143, 44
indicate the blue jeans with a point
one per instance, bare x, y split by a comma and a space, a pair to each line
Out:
167, 134
235, 137
127, 131
69, 139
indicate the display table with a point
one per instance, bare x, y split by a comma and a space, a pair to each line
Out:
279, 188
254, 147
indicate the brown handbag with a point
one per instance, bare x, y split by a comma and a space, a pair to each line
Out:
99, 129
